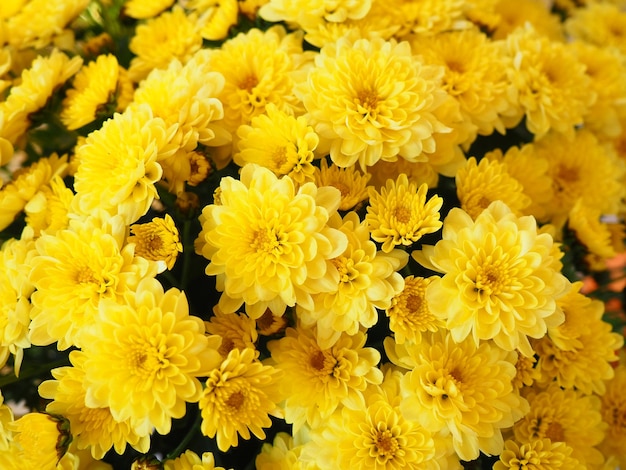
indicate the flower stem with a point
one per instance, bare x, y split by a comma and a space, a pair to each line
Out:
33, 372
185, 442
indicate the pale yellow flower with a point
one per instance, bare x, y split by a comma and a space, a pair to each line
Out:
41, 440
308, 14
540, 453
143, 9
349, 181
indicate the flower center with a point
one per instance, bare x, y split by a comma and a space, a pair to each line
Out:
248, 83
555, 432
323, 364
146, 360
414, 303
85, 275
492, 279
235, 400
366, 102
402, 214
346, 269
265, 240
386, 444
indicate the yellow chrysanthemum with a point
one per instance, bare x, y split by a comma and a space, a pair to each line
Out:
430, 17
259, 68
372, 99
499, 278
367, 281
93, 428
281, 454
474, 74
15, 195
6, 418
586, 222
409, 315
144, 9
417, 172
599, 23
238, 331
49, 208
98, 86
564, 416
269, 324
614, 413
268, 244
215, 17
349, 181
538, 453
157, 240
554, 91
536, 12
317, 380
238, 399
479, 184
36, 22
143, 357
579, 352
582, 168
189, 460
41, 440
461, 389
279, 141
309, 14
526, 372
374, 435
117, 164
400, 214
171, 35
15, 291
75, 269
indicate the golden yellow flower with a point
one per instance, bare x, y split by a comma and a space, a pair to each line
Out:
538, 453
479, 184
461, 389
536, 12
171, 35
93, 428
308, 14
41, 440
417, 172
372, 99
400, 214
50, 207
215, 17
564, 416
143, 357
6, 418
554, 91
614, 413
281, 454
317, 381
430, 17
279, 141
527, 372
599, 23
268, 243
238, 398
99, 88
591, 231
189, 460
238, 331
144, 9
117, 164
499, 278
349, 181
157, 240
269, 323
409, 315
367, 281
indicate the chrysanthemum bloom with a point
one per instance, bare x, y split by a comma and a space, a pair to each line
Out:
564, 416
238, 399
538, 453
215, 17
269, 323
75, 269
189, 460
99, 86
279, 141
515, 15
462, 390
599, 23
368, 279
281, 454
474, 74
185, 97
143, 9
37, 22
157, 240
6, 418
307, 14
143, 357
259, 68
499, 278
479, 184
15, 291
372, 99
527, 372
373, 435
409, 315
16, 194
586, 222
318, 380
268, 244
579, 352
92, 428
614, 413
117, 164
41, 440
48, 210
582, 168
531, 172
171, 35
349, 181
554, 91
430, 17
416, 172
400, 214
238, 331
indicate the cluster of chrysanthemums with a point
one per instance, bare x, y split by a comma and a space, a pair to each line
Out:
294, 234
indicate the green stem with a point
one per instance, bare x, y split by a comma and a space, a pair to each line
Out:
185, 442
33, 372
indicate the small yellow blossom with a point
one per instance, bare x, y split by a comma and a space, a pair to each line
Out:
48, 210
307, 14
238, 331
189, 460
586, 222
349, 181
215, 17
614, 413
540, 453
42, 440
599, 23
515, 15
157, 240
144, 9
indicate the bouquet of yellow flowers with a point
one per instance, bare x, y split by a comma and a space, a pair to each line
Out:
321, 234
